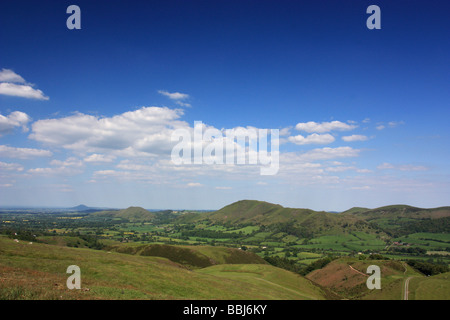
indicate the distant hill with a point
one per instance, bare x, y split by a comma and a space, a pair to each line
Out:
81, 207
399, 211
298, 222
131, 213
306, 223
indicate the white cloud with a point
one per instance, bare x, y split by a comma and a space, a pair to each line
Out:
329, 153
285, 131
12, 84
194, 184
312, 139
145, 131
354, 137
183, 104
340, 168
361, 188
7, 75
174, 95
312, 126
69, 162
21, 90
6, 185
70, 166
22, 153
390, 124
393, 124
385, 165
99, 158
410, 167
14, 119
223, 188
401, 167
10, 166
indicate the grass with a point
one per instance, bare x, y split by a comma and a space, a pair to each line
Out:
282, 284
38, 271
430, 288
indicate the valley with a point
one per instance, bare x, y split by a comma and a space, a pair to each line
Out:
273, 251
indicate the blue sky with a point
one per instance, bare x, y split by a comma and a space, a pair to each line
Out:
86, 115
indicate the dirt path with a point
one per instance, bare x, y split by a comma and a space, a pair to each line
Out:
406, 293
358, 271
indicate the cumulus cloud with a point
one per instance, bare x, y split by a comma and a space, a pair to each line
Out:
312, 139
12, 84
7, 75
312, 126
141, 132
22, 153
13, 120
70, 166
354, 137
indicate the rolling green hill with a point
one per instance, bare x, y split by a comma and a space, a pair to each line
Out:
38, 271
299, 222
399, 211
430, 288
131, 214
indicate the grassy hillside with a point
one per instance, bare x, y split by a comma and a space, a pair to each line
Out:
347, 277
191, 256
430, 288
301, 222
131, 214
278, 281
38, 271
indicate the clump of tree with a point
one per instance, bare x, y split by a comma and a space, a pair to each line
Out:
416, 251
210, 234
284, 263
24, 235
291, 265
319, 264
377, 256
428, 268
440, 225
